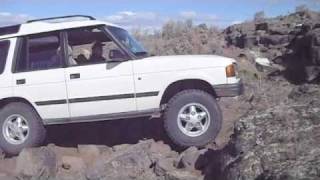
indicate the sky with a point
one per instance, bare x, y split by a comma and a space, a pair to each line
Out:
150, 14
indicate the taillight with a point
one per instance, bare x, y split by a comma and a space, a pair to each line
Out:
231, 70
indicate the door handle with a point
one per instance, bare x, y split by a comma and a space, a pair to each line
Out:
20, 81
75, 76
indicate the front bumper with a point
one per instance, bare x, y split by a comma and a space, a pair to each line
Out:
229, 90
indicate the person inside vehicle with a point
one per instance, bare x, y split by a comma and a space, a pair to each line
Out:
54, 61
97, 53
83, 57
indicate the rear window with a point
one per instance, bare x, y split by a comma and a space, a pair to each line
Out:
4, 47
40, 52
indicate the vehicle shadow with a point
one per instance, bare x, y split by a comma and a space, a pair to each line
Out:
110, 133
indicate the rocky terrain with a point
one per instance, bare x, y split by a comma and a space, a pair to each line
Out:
277, 138
280, 142
270, 132
290, 41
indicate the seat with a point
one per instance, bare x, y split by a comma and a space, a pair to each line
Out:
71, 60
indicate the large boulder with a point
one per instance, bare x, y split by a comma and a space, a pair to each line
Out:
303, 61
280, 142
159, 150
91, 153
163, 166
190, 159
62, 151
131, 162
36, 162
268, 40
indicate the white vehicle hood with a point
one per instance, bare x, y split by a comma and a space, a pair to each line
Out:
181, 62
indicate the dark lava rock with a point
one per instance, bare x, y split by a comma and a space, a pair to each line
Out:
280, 142
291, 41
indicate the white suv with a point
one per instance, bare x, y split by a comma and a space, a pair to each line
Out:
56, 72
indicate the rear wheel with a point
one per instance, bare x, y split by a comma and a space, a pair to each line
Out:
192, 118
21, 127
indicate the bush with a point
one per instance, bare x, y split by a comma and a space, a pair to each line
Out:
182, 37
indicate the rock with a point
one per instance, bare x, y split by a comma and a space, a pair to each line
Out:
160, 147
90, 153
304, 54
120, 147
159, 150
182, 175
36, 162
128, 163
62, 151
72, 163
235, 34
263, 61
268, 40
2, 154
280, 142
249, 41
262, 26
312, 73
70, 176
189, 159
295, 39
163, 166
7, 177
8, 165
71, 167
279, 30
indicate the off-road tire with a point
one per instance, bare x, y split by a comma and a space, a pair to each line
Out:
37, 132
171, 114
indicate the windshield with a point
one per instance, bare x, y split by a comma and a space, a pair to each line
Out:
128, 41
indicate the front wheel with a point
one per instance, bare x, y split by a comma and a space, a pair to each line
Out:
21, 127
192, 118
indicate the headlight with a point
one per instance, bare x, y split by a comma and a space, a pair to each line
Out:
231, 70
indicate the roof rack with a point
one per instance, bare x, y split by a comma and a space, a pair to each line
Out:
61, 17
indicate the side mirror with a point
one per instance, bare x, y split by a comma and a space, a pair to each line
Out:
116, 55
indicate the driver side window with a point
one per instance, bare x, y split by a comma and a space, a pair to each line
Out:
91, 45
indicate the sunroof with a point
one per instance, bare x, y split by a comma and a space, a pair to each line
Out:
9, 30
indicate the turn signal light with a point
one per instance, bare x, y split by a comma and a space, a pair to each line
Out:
230, 71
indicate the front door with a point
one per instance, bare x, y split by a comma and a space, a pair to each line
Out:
39, 75
96, 84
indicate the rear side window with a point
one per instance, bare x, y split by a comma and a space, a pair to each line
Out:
40, 52
4, 48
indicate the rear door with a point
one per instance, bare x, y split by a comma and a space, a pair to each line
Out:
6, 53
39, 75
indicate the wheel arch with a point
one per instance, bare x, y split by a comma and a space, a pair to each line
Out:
8, 100
185, 84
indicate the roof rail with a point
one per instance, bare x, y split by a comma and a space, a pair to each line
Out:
9, 30
61, 17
